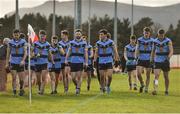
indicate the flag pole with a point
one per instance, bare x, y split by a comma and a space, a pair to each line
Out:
29, 68
89, 23
17, 15
115, 22
54, 19
132, 17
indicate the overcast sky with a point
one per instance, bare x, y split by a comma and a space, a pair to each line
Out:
7, 6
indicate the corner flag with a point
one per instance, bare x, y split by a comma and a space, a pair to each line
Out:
31, 34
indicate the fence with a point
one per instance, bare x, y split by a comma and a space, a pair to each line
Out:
175, 61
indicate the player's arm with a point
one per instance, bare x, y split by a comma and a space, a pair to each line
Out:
7, 56
116, 53
152, 53
32, 51
61, 50
51, 56
171, 51
25, 54
68, 54
86, 55
125, 54
92, 53
137, 50
96, 54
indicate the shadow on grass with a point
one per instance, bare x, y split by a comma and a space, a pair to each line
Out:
86, 95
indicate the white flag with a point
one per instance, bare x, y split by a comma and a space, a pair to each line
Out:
31, 34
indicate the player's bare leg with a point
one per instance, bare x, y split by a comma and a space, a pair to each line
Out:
102, 80
44, 77
134, 74
53, 79
79, 81
130, 79
57, 76
66, 79
148, 72
166, 78
156, 78
21, 82
14, 74
88, 80
39, 78
109, 77
139, 72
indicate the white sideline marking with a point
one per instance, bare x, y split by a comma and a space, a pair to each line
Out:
83, 103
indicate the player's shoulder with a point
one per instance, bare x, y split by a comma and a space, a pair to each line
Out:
110, 40
36, 42
23, 40
155, 40
47, 44
71, 42
59, 46
11, 41
168, 39
98, 42
127, 46
60, 42
152, 39
90, 46
140, 38
68, 41
84, 42
50, 48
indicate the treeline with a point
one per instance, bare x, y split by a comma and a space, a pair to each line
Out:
39, 22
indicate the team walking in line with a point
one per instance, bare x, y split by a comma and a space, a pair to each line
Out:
71, 59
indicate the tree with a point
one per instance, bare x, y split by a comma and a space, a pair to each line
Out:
155, 28
171, 33
144, 22
124, 32
8, 26
177, 32
39, 21
27, 19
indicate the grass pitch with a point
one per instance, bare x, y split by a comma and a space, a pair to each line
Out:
121, 98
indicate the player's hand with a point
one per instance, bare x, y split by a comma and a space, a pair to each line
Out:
7, 66
95, 64
53, 62
53, 65
38, 55
90, 57
85, 66
151, 63
128, 62
22, 63
166, 61
135, 61
66, 62
151, 60
116, 64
